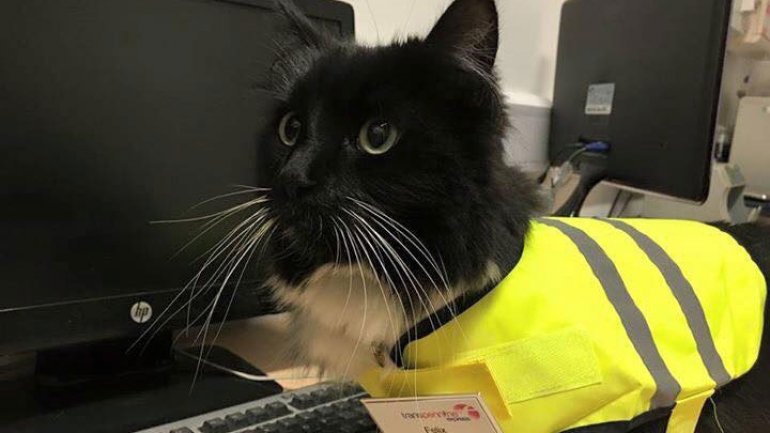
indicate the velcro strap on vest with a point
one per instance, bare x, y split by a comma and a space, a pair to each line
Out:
684, 417
541, 365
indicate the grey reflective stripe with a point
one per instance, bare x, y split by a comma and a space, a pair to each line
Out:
688, 301
667, 387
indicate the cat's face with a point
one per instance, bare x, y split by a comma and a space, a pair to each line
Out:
387, 149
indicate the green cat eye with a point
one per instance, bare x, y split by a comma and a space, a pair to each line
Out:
377, 136
289, 129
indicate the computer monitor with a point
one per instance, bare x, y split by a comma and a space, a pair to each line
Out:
644, 76
114, 114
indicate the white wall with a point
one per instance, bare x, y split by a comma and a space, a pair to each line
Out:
529, 31
526, 58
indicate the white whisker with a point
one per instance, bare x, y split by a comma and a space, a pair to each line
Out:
417, 243
385, 297
411, 237
232, 240
163, 319
233, 209
366, 302
226, 195
255, 238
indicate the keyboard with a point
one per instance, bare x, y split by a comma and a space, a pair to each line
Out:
322, 408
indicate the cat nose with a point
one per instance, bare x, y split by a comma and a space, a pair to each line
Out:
294, 182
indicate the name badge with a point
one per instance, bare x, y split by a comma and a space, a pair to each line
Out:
441, 414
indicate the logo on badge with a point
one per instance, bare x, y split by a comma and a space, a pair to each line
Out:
470, 411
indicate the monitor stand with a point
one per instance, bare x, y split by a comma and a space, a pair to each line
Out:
100, 387
725, 201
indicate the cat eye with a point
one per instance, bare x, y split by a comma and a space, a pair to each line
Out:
289, 129
377, 136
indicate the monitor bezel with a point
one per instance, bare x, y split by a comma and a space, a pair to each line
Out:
41, 327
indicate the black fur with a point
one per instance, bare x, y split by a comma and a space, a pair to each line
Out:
444, 180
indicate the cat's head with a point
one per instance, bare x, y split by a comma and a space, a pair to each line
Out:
391, 156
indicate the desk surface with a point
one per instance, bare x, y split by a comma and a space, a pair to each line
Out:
262, 342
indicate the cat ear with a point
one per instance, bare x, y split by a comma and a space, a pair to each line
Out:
468, 28
300, 27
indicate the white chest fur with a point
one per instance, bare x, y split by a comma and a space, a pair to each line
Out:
345, 320
342, 318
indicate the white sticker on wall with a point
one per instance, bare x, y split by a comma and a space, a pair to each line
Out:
600, 99
445, 414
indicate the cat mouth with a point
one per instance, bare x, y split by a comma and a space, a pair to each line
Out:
307, 226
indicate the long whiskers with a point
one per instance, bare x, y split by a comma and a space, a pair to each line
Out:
230, 254
397, 231
248, 251
366, 298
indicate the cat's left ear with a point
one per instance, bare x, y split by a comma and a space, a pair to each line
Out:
300, 26
468, 28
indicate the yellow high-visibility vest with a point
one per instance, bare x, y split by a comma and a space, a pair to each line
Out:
601, 321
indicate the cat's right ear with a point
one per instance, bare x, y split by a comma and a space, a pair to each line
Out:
468, 28
300, 26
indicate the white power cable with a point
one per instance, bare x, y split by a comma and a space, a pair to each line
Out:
241, 374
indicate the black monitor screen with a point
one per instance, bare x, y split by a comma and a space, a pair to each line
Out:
643, 75
115, 114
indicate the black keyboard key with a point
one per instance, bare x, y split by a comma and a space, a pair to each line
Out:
351, 404
181, 430
308, 428
216, 425
350, 389
308, 422
325, 411
352, 428
304, 401
355, 402
237, 420
347, 416
360, 411
306, 417
339, 407
366, 423
328, 423
289, 423
271, 428
320, 394
277, 409
258, 414
324, 395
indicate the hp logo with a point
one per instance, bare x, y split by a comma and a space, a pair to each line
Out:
141, 312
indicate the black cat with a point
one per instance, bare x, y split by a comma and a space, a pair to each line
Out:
388, 194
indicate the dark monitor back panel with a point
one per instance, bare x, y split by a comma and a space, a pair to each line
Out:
116, 113
665, 61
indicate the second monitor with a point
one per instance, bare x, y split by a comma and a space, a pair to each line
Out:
645, 77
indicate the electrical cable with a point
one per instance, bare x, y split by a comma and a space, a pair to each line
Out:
557, 160
716, 415
241, 374
615, 202
591, 171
